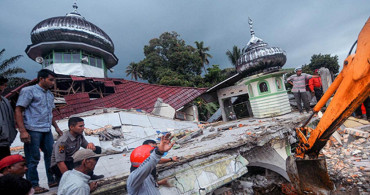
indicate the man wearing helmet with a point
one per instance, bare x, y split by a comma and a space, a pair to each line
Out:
142, 152
141, 181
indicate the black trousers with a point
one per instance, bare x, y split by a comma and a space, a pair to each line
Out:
58, 175
318, 93
4, 151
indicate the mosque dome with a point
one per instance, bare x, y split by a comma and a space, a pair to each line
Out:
71, 31
72, 27
258, 56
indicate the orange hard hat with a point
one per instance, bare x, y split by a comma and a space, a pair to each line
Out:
139, 154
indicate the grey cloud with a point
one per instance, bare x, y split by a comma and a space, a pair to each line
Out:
300, 28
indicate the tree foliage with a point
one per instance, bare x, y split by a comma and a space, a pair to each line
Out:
170, 61
202, 52
206, 110
324, 60
8, 72
234, 55
133, 71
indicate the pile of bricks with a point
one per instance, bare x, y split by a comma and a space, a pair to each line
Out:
348, 163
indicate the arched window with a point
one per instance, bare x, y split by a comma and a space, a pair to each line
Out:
279, 84
263, 87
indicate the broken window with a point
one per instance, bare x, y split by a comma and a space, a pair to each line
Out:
263, 87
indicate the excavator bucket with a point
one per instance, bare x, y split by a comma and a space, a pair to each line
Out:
309, 176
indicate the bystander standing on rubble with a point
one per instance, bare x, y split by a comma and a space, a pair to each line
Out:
13, 164
315, 85
141, 181
34, 118
76, 181
7, 122
67, 145
299, 89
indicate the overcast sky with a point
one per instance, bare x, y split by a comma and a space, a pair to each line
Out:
301, 28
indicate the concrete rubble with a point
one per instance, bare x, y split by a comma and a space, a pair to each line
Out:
219, 153
238, 157
348, 163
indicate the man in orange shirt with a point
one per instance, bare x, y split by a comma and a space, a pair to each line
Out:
316, 85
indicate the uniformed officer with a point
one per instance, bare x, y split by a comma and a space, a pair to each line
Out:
68, 144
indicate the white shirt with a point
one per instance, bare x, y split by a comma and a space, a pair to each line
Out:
74, 183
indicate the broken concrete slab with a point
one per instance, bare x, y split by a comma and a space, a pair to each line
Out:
356, 132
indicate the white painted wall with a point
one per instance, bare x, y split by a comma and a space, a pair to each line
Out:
76, 69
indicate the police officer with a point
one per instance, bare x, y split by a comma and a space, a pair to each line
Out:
68, 144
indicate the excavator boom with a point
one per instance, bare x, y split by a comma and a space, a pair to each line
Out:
351, 88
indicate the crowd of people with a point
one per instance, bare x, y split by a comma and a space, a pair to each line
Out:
34, 118
303, 84
68, 166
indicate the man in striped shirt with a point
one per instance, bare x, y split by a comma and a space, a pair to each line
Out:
299, 89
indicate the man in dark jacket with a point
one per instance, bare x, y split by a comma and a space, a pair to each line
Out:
7, 122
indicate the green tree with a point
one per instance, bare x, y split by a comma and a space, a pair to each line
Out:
8, 72
324, 60
234, 55
202, 51
133, 70
213, 76
170, 61
206, 110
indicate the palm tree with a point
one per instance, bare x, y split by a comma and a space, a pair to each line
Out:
234, 55
9, 73
133, 70
202, 51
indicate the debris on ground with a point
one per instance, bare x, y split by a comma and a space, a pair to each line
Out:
348, 163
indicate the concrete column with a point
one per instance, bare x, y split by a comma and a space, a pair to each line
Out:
222, 108
195, 113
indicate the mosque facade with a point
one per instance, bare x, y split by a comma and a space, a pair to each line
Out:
261, 93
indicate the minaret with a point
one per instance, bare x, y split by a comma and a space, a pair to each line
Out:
71, 45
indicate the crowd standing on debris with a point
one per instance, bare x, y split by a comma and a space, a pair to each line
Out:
67, 145
72, 168
299, 89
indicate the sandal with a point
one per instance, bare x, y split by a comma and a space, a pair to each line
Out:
51, 185
39, 190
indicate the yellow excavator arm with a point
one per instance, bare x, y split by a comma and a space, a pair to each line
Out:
351, 88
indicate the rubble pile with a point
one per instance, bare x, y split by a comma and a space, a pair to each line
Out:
270, 183
108, 132
348, 162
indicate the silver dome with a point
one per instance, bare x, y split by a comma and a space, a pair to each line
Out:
72, 27
71, 32
257, 56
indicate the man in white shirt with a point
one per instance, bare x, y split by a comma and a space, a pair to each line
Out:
76, 181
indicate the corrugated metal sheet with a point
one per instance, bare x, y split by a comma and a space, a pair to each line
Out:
270, 106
